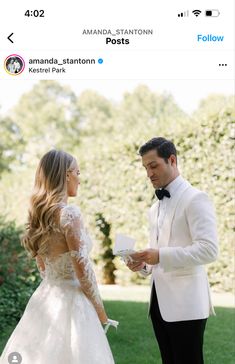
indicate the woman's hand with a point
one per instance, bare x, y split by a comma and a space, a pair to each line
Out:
110, 323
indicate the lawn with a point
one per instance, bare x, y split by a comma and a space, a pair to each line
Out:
134, 341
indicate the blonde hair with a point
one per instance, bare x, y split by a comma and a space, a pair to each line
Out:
50, 188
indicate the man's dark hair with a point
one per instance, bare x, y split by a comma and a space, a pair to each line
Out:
164, 148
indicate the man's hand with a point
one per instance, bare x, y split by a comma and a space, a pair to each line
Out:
135, 266
149, 256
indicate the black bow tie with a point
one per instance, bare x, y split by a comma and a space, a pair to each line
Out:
161, 193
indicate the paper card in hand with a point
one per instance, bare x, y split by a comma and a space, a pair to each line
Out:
124, 245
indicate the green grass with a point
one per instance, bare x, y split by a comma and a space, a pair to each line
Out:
134, 342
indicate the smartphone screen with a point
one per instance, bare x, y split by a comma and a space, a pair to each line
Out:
98, 80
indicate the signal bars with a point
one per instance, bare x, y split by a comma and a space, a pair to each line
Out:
185, 13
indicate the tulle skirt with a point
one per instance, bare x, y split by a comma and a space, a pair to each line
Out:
59, 326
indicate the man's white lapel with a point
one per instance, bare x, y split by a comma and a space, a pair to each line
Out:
153, 224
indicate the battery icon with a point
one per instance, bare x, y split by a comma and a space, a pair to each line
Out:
212, 12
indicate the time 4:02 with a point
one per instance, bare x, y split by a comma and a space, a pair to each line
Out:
35, 13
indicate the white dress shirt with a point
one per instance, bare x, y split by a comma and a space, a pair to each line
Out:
172, 188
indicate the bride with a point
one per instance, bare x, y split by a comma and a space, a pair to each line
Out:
62, 322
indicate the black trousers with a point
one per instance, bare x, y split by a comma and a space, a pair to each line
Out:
179, 342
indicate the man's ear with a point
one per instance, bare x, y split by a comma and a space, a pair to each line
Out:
172, 159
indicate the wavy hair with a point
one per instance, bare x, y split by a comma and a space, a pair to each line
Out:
50, 189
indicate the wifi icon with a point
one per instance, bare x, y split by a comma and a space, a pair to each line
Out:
196, 12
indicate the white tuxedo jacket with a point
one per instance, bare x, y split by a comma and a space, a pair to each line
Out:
187, 240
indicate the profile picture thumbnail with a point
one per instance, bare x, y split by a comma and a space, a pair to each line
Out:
14, 64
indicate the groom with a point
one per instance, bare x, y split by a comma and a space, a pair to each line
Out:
182, 240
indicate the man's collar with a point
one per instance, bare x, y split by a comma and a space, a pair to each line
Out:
173, 185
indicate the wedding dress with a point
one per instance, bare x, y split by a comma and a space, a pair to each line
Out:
60, 324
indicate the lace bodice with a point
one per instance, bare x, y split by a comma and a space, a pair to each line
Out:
74, 264
61, 267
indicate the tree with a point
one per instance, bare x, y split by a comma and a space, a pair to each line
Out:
48, 117
10, 143
207, 160
108, 266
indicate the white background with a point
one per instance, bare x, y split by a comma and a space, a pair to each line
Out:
171, 60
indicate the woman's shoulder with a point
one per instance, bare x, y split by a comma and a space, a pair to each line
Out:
69, 213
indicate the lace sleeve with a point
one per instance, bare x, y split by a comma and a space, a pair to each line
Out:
72, 225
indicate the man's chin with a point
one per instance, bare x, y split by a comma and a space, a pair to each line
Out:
155, 185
